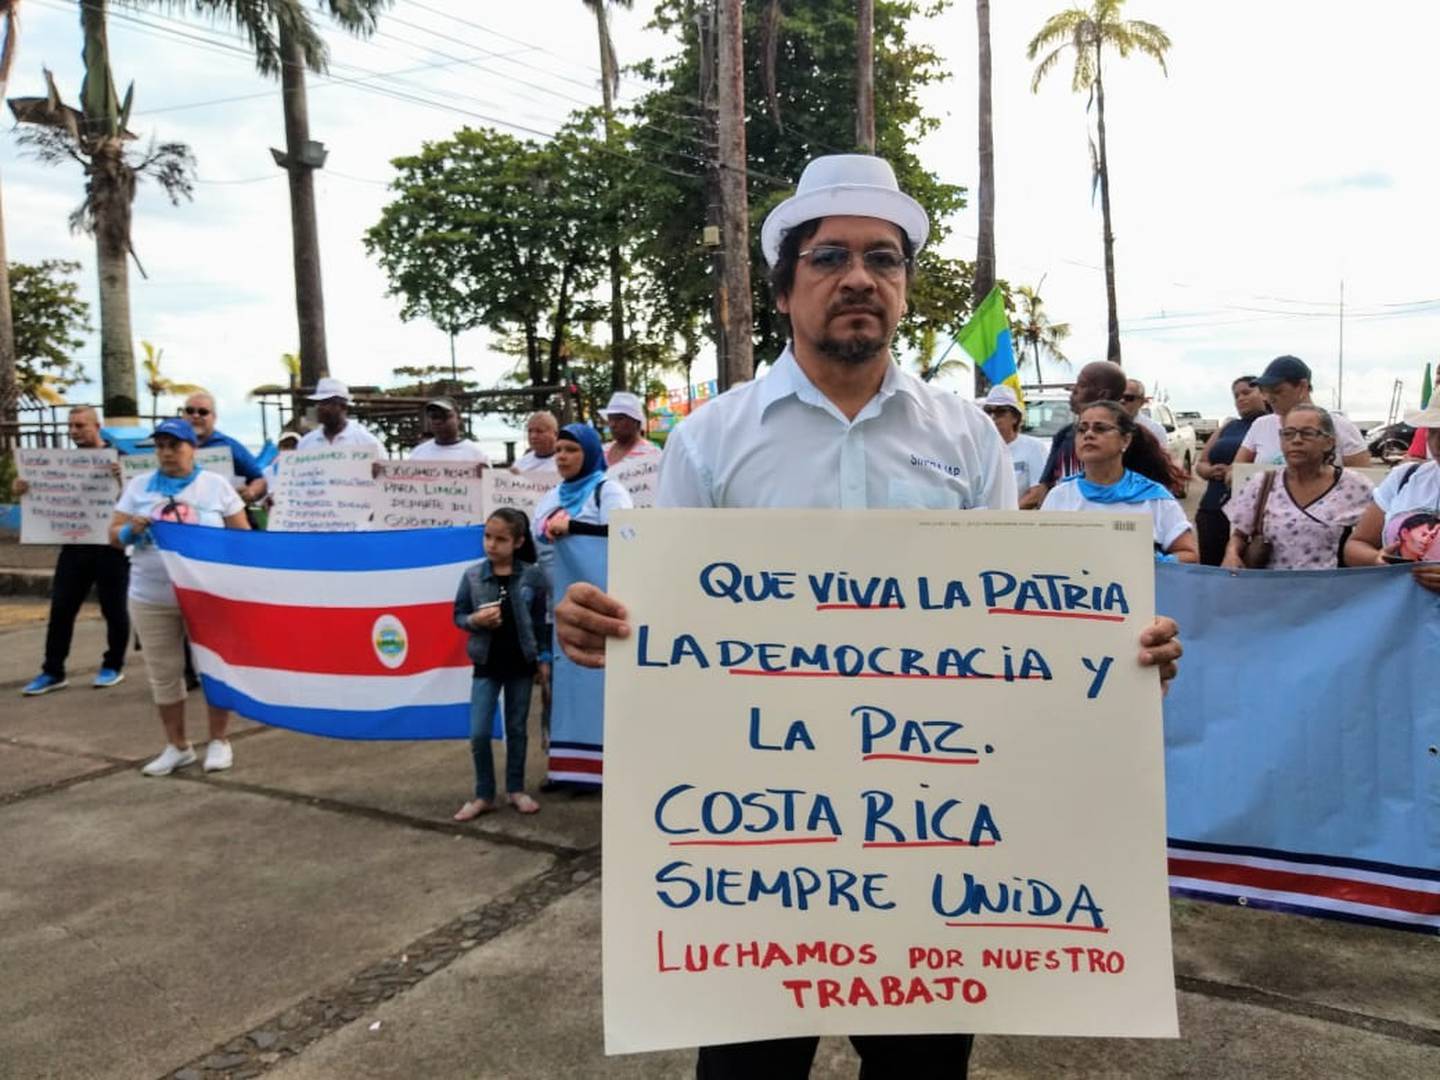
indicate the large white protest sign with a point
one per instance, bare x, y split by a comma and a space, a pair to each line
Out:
640, 476
882, 772
427, 495
329, 489
216, 459
71, 498
1241, 472
523, 491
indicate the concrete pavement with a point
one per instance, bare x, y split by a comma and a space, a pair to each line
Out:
315, 914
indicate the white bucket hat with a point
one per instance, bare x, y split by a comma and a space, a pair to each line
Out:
328, 388
1005, 397
1425, 418
623, 404
845, 185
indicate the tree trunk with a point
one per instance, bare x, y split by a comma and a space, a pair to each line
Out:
9, 370
112, 196
865, 75
985, 242
1039, 379
617, 296
738, 360
304, 225
1113, 350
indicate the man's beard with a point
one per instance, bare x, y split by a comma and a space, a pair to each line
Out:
855, 348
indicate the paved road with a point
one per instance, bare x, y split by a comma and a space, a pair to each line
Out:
315, 914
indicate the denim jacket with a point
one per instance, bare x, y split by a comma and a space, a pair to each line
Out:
526, 606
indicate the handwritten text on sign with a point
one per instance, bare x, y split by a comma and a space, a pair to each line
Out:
330, 489
882, 772
71, 498
427, 495
216, 459
523, 491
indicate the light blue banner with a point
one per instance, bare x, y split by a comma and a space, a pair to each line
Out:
577, 713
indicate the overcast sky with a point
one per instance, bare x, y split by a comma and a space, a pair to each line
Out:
1280, 157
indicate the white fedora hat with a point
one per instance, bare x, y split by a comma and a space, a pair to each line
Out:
845, 185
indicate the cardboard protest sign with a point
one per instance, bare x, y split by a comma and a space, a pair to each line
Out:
1241, 472
71, 498
523, 491
328, 489
427, 495
216, 459
882, 772
640, 476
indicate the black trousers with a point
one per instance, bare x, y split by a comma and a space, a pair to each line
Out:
79, 567
1213, 532
910, 1057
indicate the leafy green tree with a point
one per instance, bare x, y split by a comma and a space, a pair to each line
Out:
800, 62
50, 322
1086, 32
494, 231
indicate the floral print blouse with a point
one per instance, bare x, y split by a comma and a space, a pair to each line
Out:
1304, 537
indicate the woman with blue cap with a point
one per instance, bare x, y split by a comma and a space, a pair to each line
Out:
179, 491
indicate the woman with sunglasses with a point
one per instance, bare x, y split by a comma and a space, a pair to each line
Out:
1311, 505
1127, 472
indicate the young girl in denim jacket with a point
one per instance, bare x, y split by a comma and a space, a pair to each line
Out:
501, 604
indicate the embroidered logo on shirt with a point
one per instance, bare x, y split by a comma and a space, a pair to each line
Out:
390, 642
938, 466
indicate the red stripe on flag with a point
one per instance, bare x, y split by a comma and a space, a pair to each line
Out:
575, 764
1347, 889
322, 641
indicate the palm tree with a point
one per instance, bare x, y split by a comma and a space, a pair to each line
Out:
1088, 31
158, 384
1034, 330
985, 193
94, 136
9, 385
609, 87
926, 365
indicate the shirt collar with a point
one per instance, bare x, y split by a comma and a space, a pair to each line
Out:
787, 379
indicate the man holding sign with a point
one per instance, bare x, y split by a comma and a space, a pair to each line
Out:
835, 424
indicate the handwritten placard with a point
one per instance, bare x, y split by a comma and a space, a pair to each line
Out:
330, 489
882, 772
216, 459
523, 491
71, 498
1241, 472
640, 476
427, 495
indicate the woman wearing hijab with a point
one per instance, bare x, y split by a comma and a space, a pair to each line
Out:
178, 490
1125, 471
580, 506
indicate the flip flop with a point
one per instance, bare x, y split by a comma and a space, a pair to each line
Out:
524, 803
473, 809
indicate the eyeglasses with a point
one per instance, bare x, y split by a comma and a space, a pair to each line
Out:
832, 258
190, 410
1086, 427
1309, 434
1130, 397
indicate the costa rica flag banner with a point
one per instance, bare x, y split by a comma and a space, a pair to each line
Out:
347, 635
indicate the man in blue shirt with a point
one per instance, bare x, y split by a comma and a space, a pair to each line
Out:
200, 411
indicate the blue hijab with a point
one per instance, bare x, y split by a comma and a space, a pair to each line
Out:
573, 493
1130, 488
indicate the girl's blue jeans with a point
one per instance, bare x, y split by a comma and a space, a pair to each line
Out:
483, 695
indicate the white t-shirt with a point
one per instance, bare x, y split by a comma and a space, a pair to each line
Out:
531, 462
1168, 516
1028, 454
1264, 438
1155, 428
1421, 491
464, 450
352, 434
208, 500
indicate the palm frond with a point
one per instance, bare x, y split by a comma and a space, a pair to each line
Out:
1043, 68
1058, 28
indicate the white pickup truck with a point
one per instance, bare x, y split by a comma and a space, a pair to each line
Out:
1180, 438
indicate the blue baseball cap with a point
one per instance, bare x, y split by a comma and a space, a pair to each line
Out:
1289, 369
177, 429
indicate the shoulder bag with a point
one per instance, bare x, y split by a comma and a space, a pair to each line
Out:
1257, 550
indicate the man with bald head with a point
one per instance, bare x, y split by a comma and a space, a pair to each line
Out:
1134, 399
78, 568
1098, 381
541, 432
201, 414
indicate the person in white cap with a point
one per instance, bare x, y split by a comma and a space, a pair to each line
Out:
627, 423
1027, 453
332, 409
1409, 489
836, 423
442, 420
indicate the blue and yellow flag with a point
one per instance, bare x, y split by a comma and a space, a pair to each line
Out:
986, 337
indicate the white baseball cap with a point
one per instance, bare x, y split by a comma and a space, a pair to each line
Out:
328, 388
845, 185
623, 404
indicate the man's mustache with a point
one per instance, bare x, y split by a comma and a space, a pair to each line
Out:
855, 306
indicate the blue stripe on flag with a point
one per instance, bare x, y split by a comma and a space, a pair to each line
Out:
1001, 363
398, 550
1300, 909
1305, 859
406, 722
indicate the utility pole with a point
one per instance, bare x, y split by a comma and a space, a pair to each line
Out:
300, 159
1340, 380
709, 139
737, 362
865, 75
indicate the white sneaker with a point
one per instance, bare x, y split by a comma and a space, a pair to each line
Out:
218, 756
170, 759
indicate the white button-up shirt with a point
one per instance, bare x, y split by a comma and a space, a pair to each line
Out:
352, 434
779, 442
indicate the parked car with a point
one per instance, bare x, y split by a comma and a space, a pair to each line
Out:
1204, 427
1180, 438
1046, 412
1391, 442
